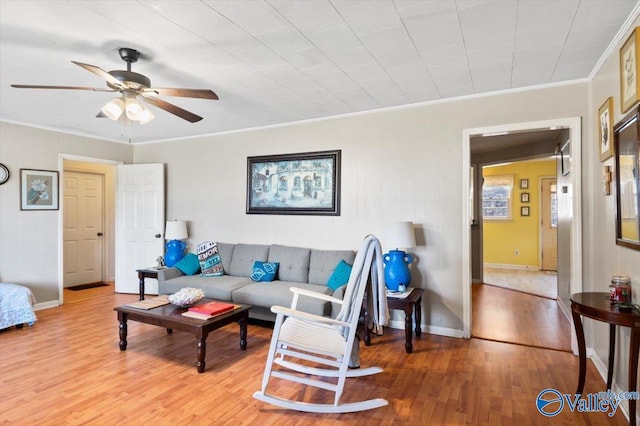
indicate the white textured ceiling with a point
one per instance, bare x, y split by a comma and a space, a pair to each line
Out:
275, 61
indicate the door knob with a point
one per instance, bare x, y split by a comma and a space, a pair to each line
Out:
99, 234
158, 235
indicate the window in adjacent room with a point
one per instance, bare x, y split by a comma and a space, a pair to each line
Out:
497, 195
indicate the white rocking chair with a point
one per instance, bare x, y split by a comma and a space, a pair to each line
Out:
328, 342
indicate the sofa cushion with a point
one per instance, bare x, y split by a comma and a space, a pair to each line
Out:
294, 262
264, 271
323, 262
340, 276
226, 252
188, 265
219, 288
243, 257
278, 293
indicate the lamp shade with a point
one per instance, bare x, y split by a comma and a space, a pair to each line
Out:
400, 235
114, 108
176, 230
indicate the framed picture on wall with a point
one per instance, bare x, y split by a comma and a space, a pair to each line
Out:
524, 211
629, 87
524, 197
605, 129
302, 184
524, 183
38, 189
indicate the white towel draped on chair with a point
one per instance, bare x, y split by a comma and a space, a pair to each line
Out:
327, 342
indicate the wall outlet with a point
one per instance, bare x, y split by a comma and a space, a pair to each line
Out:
517, 252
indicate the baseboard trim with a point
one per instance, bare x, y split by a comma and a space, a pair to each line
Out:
508, 266
602, 367
46, 305
439, 331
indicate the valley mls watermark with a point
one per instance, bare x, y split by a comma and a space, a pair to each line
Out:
551, 402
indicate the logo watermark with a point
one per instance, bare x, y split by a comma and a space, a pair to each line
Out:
550, 402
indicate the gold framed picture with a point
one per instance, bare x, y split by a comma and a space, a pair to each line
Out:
605, 129
629, 87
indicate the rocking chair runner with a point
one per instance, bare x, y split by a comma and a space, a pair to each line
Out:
325, 341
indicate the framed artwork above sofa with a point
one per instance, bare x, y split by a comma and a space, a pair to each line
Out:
301, 184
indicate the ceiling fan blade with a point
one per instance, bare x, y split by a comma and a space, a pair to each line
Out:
173, 109
35, 86
102, 73
101, 115
185, 93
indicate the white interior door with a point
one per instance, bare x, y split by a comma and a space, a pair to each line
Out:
83, 227
139, 223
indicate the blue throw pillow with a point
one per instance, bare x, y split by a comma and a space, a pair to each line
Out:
264, 271
340, 275
188, 265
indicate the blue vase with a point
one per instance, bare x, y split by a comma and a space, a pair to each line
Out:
175, 252
396, 269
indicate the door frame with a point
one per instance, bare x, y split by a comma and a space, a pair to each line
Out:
574, 126
107, 249
540, 212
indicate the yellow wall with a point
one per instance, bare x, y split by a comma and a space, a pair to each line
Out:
502, 239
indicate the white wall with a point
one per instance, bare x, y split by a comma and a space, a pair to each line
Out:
603, 258
402, 164
29, 240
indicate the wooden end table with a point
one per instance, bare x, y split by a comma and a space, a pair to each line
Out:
597, 306
412, 306
146, 273
170, 317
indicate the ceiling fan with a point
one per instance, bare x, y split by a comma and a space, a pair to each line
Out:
133, 86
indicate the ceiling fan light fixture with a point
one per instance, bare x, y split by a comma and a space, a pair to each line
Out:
145, 115
133, 109
114, 108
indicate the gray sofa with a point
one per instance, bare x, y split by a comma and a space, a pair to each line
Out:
305, 268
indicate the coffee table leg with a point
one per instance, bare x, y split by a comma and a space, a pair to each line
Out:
201, 353
243, 332
122, 318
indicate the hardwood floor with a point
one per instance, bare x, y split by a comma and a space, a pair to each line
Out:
70, 296
515, 317
67, 370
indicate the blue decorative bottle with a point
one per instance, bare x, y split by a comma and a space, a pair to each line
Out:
396, 270
175, 252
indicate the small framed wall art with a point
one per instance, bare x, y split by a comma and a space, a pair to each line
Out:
524, 211
629, 87
605, 129
524, 183
38, 189
524, 197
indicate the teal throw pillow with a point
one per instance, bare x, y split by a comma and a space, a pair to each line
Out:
340, 275
188, 265
264, 271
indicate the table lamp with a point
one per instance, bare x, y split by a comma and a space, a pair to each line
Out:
175, 231
399, 235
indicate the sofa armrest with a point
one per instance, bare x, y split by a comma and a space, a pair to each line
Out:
338, 294
168, 273
313, 294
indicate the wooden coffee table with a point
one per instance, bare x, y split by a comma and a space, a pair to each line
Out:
170, 317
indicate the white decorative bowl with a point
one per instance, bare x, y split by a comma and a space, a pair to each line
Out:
186, 297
